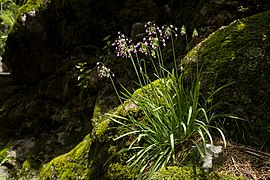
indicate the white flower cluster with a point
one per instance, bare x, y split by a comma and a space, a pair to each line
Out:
150, 43
165, 32
103, 71
123, 46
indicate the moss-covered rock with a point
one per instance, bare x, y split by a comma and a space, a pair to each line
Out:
70, 165
89, 159
189, 172
117, 171
4, 153
239, 53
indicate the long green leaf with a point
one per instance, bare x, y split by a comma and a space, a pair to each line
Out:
172, 147
219, 89
126, 134
189, 115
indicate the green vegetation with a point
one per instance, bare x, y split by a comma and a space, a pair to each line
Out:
8, 13
175, 115
189, 172
32, 5
239, 53
117, 171
71, 165
4, 155
161, 131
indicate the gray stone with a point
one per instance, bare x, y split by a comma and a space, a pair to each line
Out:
21, 148
212, 151
4, 174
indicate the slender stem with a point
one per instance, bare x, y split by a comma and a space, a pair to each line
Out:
174, 58
141, 69
134, 65
154, 65
187, 42
159, 65
161, 61
114, 87
144, 73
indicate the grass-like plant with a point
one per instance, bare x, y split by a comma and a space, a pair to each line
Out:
175, 119
7, 18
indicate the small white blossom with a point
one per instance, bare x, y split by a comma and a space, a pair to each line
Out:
103, 72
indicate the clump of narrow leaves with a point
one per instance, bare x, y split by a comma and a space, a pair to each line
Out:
176, 119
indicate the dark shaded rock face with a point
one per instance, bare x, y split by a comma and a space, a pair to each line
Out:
210, 15
8, 87
43, 47
47, 32
42, 37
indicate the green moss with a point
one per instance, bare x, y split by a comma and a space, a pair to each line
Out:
174, 172
238, 53
102, 127
189, 172
156, 83
117, 171
97, 110
70, 165
103, 122
4, 153
226, 43
27, 164
31, 5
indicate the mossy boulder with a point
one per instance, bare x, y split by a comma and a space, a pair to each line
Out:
52, 103
71, 165
87, 160
239, 53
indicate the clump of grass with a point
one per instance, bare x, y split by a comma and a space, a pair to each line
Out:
177, 119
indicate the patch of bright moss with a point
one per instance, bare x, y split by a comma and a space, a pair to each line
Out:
104, 122
102, 126
4, 153
157, 83
31, 5
70, 165
97, 110
116, 171
189, 172
27, 164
